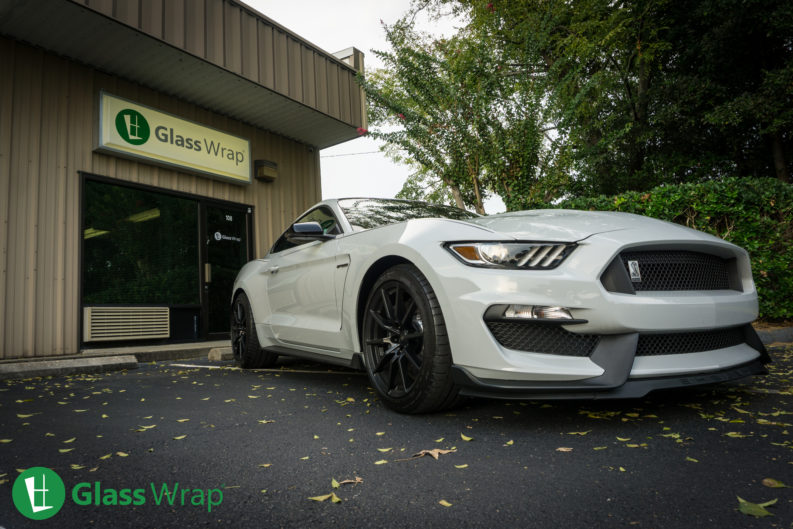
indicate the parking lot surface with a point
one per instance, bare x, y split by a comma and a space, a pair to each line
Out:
270, 440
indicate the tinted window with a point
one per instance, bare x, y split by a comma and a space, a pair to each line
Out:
367, 213
323, 215
138, 246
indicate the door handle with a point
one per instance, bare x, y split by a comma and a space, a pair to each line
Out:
207, 273
273, 269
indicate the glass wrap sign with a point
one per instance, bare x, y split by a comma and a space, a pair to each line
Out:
133, 130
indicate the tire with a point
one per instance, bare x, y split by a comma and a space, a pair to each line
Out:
244, 341
405, 344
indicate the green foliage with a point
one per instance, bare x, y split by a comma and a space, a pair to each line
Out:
646, 92
754, 213
467, 123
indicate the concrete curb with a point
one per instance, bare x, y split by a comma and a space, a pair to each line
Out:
67, 366
769, 336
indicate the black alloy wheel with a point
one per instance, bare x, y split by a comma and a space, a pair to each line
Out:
244, 341
406, 348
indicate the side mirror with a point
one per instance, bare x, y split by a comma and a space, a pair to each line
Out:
303, 232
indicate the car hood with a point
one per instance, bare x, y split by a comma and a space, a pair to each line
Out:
563, 224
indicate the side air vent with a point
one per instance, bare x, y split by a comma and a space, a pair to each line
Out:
125, 323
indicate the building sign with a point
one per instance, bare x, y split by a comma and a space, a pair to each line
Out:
137, 131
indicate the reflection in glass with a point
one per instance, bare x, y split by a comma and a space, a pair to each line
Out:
139, 247
368, 213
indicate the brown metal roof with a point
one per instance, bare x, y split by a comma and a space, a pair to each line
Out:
218, 54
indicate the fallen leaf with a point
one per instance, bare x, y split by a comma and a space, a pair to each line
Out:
5, 441
178, 437
564, 449
758, 510
182, 420
623, 439
578, 433
351, 481
265, 465
334, 483
122, 454
381, 462
445, 503
384, 450
65, 450
439, 440
70, 440
622, 469
380, 433
691, 459
509, 443
304, 458
461, 466
774, 484
266, 421
77, 467
321, 498
106, 456
25, 415
465, 437
434, 453
80, 411
735, 435
334, 498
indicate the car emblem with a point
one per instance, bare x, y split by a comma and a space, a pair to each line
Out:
636, 275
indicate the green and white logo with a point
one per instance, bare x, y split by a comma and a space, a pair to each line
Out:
132, 126
38, 493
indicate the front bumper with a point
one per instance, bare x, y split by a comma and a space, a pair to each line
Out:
615, 355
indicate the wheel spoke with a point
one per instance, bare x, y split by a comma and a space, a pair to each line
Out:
412, 360
407, 312
402, 373
384, 360
377, 341
386, 304
395, 315
381, 322
392, 371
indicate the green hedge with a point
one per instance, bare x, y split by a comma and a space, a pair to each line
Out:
756, 214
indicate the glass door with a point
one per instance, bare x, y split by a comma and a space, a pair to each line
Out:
226, 232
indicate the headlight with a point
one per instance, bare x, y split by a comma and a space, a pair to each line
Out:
515, 255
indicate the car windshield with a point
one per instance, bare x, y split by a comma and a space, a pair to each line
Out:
368, 213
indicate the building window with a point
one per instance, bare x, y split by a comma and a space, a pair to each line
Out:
139, 247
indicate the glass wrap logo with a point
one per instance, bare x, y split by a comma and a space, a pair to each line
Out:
132, 126
38, 493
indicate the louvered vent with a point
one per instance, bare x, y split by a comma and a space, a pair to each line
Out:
125, 323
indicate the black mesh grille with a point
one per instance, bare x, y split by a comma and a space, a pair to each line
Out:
678, 270
541, 338
689, 342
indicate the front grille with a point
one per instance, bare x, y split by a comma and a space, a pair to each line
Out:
542, 338
689, 342
677, 270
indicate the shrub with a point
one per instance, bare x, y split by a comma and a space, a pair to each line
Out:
754, 213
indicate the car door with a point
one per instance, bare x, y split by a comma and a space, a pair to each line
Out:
302, 288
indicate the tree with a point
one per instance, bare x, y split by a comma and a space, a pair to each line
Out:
451, 110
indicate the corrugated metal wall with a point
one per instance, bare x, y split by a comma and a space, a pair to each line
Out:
48, 128
237, 38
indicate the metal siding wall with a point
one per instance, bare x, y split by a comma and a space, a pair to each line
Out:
230, 35
48, 128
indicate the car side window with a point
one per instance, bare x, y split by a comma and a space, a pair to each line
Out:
323, 215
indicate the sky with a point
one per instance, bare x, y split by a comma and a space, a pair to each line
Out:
356, 167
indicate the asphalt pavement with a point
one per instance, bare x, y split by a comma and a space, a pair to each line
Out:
269, 440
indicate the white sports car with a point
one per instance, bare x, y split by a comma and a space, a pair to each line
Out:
436, 303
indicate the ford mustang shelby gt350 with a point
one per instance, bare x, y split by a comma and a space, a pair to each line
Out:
435, 303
